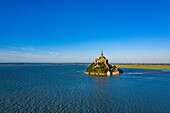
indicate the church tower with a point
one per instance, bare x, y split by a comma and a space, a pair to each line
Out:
102, 53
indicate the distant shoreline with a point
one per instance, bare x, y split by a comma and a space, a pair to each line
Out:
157, 66
82, 63
40, 64
145, 66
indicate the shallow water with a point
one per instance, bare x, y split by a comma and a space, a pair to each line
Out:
65, 88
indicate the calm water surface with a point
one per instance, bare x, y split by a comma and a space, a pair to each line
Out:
64, 88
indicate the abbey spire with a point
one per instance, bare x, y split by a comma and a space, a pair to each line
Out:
102, 53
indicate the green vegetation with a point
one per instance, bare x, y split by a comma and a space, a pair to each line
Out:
103, 68
91, 68
99, 68
142, 66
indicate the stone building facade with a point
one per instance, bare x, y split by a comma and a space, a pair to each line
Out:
102, 59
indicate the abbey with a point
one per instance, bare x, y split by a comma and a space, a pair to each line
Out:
102, 67
102, 59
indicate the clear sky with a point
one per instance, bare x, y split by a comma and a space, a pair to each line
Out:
129, 31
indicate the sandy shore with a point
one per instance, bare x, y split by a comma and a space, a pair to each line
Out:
143, 66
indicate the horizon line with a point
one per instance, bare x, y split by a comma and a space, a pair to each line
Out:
74, 63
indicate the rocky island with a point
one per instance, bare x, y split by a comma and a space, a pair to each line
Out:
101, 67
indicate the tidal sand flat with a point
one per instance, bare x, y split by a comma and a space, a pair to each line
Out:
66, 89
145, 66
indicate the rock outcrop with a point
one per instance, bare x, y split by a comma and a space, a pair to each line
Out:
101, 67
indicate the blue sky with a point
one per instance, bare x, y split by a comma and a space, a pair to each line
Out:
129, 31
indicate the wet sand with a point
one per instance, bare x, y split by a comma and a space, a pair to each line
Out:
145, 66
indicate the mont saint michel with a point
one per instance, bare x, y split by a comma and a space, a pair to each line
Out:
102, 67
51, 58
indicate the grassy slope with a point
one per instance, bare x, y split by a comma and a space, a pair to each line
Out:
159, 67
101, 69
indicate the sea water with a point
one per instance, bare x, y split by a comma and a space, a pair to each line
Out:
65, 88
